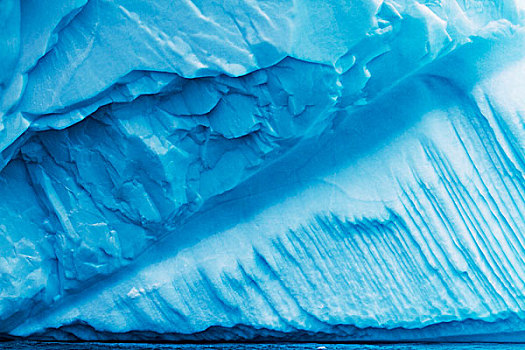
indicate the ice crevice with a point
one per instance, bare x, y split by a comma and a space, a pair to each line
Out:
205, 171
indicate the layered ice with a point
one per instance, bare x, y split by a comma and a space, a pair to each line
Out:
349, 170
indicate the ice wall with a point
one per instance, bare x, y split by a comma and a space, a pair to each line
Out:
350, 168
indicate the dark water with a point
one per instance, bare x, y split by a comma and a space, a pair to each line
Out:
100, 346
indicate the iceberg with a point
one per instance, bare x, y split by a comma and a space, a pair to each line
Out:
262, 170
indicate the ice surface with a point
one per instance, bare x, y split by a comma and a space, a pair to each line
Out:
343, 168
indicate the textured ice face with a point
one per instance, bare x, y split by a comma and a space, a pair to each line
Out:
306, 166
